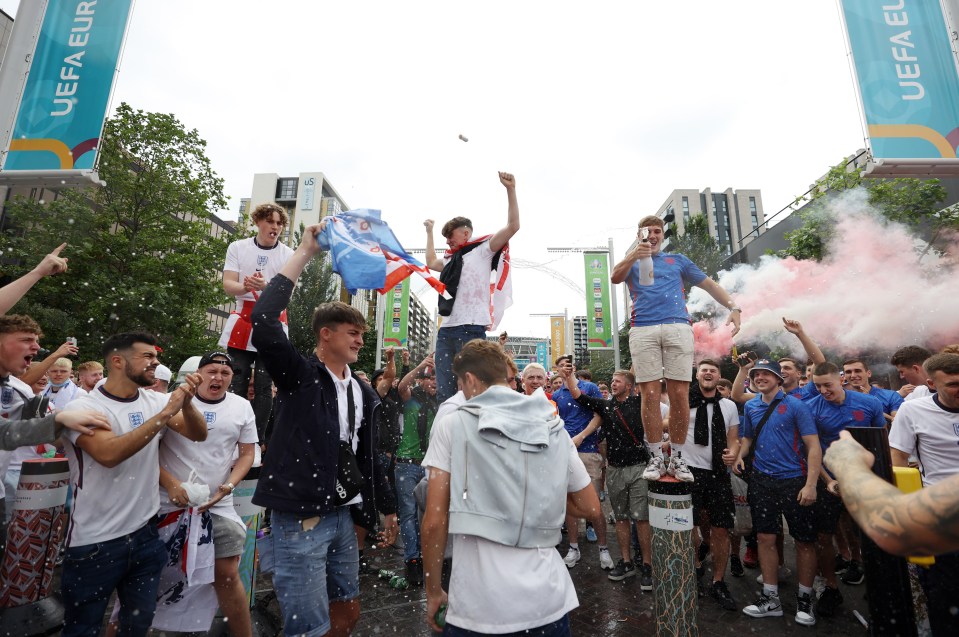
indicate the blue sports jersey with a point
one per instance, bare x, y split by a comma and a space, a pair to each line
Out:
575, 416
664, 301
779, 450
856, 410
808, 392
891, 400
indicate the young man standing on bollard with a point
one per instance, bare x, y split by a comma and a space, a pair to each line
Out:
322, 458
661, 338
465, 269
713, 450
782, 483
502, 471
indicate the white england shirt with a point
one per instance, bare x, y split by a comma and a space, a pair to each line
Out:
472, 303
247, 258
12, 394
110, 503
930, 431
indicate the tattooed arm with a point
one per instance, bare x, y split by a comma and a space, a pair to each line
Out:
925, 522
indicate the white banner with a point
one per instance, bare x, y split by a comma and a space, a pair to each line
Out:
670, 519
37, 499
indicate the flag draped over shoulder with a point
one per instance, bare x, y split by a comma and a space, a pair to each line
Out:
367, 255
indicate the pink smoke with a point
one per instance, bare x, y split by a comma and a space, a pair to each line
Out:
871, 292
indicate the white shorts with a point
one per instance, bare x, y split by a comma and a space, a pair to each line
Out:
662, 351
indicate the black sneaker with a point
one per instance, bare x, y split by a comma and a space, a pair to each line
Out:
720, 592
854, 574
804, 613
841, 565
366, 567
414, 571
646, 577
621, 571
703, 551
829, 601
700, 571
736, 566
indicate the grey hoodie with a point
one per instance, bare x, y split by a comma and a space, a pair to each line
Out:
510, 469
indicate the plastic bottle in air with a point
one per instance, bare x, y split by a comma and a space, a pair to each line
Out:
646, 263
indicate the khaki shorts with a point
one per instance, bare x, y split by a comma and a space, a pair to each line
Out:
628, 492
594, 467
229, 537
662, 351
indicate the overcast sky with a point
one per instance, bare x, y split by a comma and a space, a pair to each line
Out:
600, 109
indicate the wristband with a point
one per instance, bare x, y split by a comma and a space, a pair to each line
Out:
230, 485
736, 309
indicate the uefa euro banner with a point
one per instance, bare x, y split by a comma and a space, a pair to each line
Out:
557, 335
599, 323
907, 77
396, 320
65, 99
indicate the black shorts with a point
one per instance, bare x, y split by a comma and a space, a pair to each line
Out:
712, 493
828, 508
771, 499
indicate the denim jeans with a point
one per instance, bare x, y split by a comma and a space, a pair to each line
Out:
449, 341
407, 477
313, 568
130, 565
243, 362
558, 628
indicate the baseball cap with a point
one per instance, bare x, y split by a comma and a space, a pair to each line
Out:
162, 372
215, 357
769, 366
376, 375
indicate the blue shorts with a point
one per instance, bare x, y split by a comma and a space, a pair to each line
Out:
313, 568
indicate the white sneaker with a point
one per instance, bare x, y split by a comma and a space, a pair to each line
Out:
679, 469
655, 470
605, 561
765, 606
784, 573
572, 558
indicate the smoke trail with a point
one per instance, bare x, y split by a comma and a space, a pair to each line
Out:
871, 292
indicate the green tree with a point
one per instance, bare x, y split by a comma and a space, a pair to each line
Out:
916, 203
366, 360
697, 244
317, 284
140, 250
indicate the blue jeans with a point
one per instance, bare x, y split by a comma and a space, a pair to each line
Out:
130, 565
407, 477
449, 341
559, 628
313, 568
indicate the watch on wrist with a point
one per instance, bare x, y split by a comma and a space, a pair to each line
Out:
736, 309
230, 486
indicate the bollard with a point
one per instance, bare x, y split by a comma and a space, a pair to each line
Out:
671, 516
887, 576
33, 541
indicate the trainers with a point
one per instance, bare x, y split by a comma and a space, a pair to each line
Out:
590, 533
736, 566
841, 565
765, 606
414, 571
621, 571
804, 613
572, 557
646, 577
655, 470
784, 573
720, 592
854, 574
605, 561
829, 601
751, 559
679, 469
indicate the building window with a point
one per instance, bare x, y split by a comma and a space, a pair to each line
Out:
753, 212
286, 188
752, 205
685, 209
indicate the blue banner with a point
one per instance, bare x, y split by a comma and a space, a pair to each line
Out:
65, 99
907, 77
542, 354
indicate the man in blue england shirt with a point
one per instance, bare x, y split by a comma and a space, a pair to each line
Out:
786, 468
835, 409
789, 367
858, 377
661, 339
582, 425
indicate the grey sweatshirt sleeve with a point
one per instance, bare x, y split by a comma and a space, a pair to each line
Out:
21, 433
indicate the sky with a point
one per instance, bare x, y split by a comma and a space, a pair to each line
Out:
599, 109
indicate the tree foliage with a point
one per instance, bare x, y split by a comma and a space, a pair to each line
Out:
916, 203
317, 284
141, 254
697, 244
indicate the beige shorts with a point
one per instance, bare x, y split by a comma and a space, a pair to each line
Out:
662, 351
594, 467
628, 492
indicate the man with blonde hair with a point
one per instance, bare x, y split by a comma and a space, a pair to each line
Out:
534, 377
89, 374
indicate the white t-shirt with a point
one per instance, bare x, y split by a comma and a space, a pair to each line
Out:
342, 404
229, 421
11, 404
110, 503
247, 258
921, 391
62, 397
697, 455
472, 304
926, 429
496, 588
